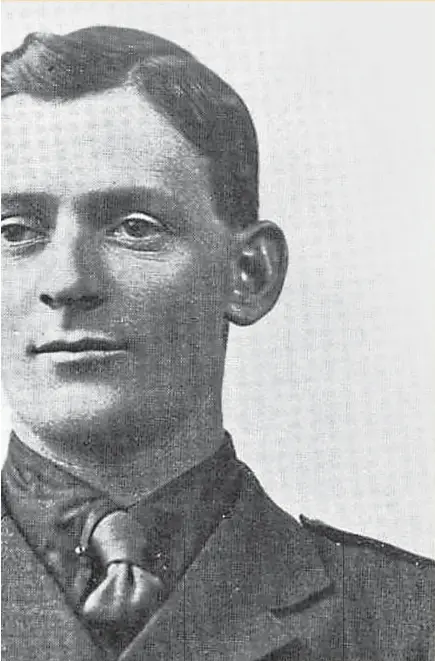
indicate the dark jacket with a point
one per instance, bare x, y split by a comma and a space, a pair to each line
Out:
264, 587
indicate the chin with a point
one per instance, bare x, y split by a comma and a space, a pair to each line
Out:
75, 413
70, 412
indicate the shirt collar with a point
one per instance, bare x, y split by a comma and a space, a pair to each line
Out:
51, 507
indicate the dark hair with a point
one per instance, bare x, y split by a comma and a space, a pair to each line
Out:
201, 106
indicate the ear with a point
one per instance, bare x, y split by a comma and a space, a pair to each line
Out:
258, 269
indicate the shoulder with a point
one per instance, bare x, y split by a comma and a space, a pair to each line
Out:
382, 579
365, 545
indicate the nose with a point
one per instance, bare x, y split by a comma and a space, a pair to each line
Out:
72, 275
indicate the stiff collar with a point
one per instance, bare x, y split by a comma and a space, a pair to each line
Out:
54, 509
259, 563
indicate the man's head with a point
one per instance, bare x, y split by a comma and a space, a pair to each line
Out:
130, 231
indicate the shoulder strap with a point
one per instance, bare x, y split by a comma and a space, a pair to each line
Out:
343, 537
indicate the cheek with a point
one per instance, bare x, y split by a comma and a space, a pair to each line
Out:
177, 299
18, 293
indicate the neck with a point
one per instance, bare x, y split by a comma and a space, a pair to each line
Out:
133, 466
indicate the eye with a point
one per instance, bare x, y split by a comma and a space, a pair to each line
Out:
18, 231
137, 231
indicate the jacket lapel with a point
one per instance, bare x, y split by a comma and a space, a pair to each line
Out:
258, 561
36, 621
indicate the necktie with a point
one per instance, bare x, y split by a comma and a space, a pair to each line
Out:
128, 593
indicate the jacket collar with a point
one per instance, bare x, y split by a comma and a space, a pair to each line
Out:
37, 623
258, 561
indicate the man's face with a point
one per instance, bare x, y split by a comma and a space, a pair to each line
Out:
114, 266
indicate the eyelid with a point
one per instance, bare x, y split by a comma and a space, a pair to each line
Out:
31, 222
142, 215
8, 215
19, 218
37, 234
152, 220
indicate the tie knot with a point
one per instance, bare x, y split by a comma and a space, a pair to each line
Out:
128, 592
117, 537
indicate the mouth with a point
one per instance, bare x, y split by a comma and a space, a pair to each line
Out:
83, 346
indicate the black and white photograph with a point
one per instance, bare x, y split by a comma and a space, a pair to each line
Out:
217, 330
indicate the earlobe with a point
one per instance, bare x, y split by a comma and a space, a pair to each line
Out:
258, 271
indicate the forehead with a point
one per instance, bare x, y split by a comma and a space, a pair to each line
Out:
112, 139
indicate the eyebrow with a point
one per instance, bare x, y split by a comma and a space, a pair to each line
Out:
102, 205
108, 202
28, 200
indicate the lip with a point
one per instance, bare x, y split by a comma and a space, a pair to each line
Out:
85, 345
79, 352
62, 349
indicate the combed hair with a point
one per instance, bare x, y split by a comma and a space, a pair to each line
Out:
199, 104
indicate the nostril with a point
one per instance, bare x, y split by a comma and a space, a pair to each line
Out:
47, 300
84, 302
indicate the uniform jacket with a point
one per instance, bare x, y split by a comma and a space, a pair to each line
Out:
264, 587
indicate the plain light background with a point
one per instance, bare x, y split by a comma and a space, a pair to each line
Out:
330, 398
